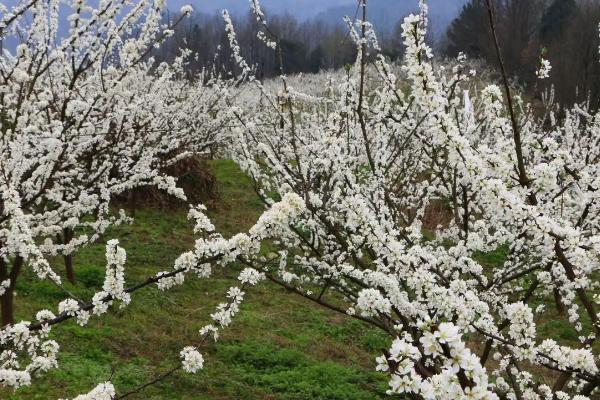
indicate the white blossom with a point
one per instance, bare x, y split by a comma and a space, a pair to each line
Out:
192, 360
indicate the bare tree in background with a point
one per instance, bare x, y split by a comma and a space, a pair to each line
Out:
573, 53
519, 23
563, 31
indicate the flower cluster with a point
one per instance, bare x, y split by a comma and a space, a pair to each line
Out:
371, 303
404, 363
545, 68
192, 360
186, 9
104, 391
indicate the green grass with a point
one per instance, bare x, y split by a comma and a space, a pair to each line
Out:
493, 258
279, 347
294, 376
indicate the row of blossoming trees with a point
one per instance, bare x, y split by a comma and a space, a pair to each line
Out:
349, 180
85, 115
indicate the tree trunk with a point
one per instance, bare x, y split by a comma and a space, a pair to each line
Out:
68, 258
69, 268
132, 201
560, 307
7, 307
7, 299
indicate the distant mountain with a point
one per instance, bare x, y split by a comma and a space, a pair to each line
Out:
384, 14
301, 9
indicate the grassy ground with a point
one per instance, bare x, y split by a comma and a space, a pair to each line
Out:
279, 346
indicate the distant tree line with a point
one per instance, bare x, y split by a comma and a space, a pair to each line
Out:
307, 46
563, 31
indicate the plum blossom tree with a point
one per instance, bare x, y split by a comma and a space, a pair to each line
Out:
87, 116
371, 160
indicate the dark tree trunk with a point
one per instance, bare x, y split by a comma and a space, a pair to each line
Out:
7, 307
69, 268
68, 258
560, 307
133, 202
7, 299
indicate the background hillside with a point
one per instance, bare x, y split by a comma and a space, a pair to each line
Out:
385, 14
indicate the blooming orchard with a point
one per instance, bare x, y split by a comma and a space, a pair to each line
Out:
350, 178
86, 114
374, 157
86, 117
